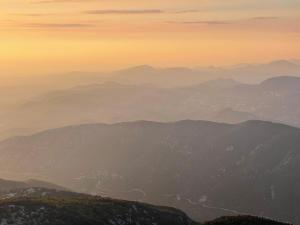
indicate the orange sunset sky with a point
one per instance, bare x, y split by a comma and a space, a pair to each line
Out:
45, 36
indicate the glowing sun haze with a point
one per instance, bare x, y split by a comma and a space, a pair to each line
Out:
44, 36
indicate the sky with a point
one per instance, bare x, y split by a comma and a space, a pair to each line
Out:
51, 36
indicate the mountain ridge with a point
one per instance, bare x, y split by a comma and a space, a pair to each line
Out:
206, 169
157, 123
104, 103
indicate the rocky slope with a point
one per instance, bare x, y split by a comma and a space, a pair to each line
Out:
48, 207
52, 207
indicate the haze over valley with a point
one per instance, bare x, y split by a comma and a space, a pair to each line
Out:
125, 97
209, 146
136, 112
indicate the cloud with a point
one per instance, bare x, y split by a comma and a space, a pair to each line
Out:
33, 14
56, 25
187, 11
128, 11
225, 22
61, 1
204, 22
265, 18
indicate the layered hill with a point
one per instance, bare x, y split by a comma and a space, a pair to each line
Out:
207, 169
222, 100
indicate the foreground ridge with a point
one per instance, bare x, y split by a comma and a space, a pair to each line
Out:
243, 220
53, 207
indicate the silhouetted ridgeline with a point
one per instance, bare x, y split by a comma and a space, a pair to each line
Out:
222, 100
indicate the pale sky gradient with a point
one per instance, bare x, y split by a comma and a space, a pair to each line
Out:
46, 36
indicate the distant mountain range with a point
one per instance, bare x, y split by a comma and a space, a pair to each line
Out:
239, 164
232, 116
222, 100
179, 76
206, 169
52, 207
17, 89
174, 76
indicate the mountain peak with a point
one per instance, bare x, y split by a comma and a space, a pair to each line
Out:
138, 69
282, 63
282, 82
